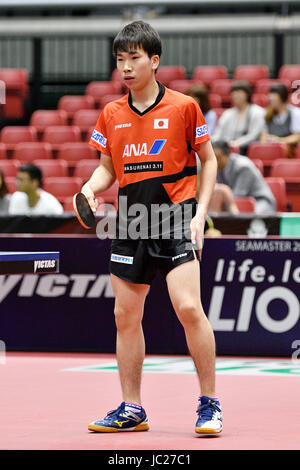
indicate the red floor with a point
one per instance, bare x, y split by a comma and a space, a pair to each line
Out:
44, 407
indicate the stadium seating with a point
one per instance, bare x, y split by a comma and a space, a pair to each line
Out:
222, 87
11, 184
86, 118
58, 135
43, 118
116, 77
13, 135
264, 85
110, 196
99, 89
245, 204
62, 187
51, 167
260, 99
259, 164
85, 168
9, 167
207, 74
183, 86
289, 170
74, 152
29, 151
2, 150
16, 91
251, 73
72, 103
215, 100
289, 72
267, 152
278, 188
108, 98
167, 73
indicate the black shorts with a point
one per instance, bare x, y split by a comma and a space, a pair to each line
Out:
138, 261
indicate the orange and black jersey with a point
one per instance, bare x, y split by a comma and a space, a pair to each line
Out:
153, 152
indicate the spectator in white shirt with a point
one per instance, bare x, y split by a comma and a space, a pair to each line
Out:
30, 198
200, 94
282, 120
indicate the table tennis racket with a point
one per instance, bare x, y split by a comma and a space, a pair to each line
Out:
83, 211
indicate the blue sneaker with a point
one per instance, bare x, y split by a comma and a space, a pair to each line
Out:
210, 416
121, 419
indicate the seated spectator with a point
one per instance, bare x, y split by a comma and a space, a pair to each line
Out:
243, 178
200, 94
282, 120
30, 198
243, 123
4, 195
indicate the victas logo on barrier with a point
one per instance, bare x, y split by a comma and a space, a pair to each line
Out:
56, 285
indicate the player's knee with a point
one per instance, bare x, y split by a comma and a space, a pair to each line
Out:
126, 318
189, 313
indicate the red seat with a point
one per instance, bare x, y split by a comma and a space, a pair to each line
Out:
117, 78
297, 153
89, 133
10, 167
251, 73
58, 135
85, 118
99, 89
289, 170
2, 150
289, 72
222, 87
267, 152
264, 85
259, 164
108, 99
13, 135
207, 73
63, 186
245, 204
85, 168
11, 184
278, 188
16, 92
73, 152
215, 100
29, 151
43, 118
51, 167
183, 86
167, 73
72, 103
260, 99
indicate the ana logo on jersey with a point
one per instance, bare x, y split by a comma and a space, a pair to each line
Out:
137, 150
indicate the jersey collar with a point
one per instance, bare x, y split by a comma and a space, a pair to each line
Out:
158, 99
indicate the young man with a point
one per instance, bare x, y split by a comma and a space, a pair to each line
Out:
30, 198
148, 141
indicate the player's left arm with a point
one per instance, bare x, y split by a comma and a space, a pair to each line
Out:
207, 182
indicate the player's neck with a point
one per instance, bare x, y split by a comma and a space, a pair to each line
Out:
144, 98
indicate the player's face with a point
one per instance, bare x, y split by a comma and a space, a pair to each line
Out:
136, 67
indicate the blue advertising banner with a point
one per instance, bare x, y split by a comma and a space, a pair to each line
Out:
250, 293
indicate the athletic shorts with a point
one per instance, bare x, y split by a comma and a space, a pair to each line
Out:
139, 261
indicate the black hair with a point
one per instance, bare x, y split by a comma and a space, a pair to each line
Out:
222, 145
244, 86
34, 172
138, 34
281, 90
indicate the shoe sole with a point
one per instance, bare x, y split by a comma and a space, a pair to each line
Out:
207, 431
139, 427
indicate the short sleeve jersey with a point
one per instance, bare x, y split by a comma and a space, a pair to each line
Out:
154, 149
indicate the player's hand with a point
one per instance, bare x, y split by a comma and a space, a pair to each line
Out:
197, 231
93, 202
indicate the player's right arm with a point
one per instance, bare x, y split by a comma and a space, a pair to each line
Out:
102, 178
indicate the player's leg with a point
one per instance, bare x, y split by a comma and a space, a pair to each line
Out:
129, 308
184, 289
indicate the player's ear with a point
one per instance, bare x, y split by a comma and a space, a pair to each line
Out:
155, 62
